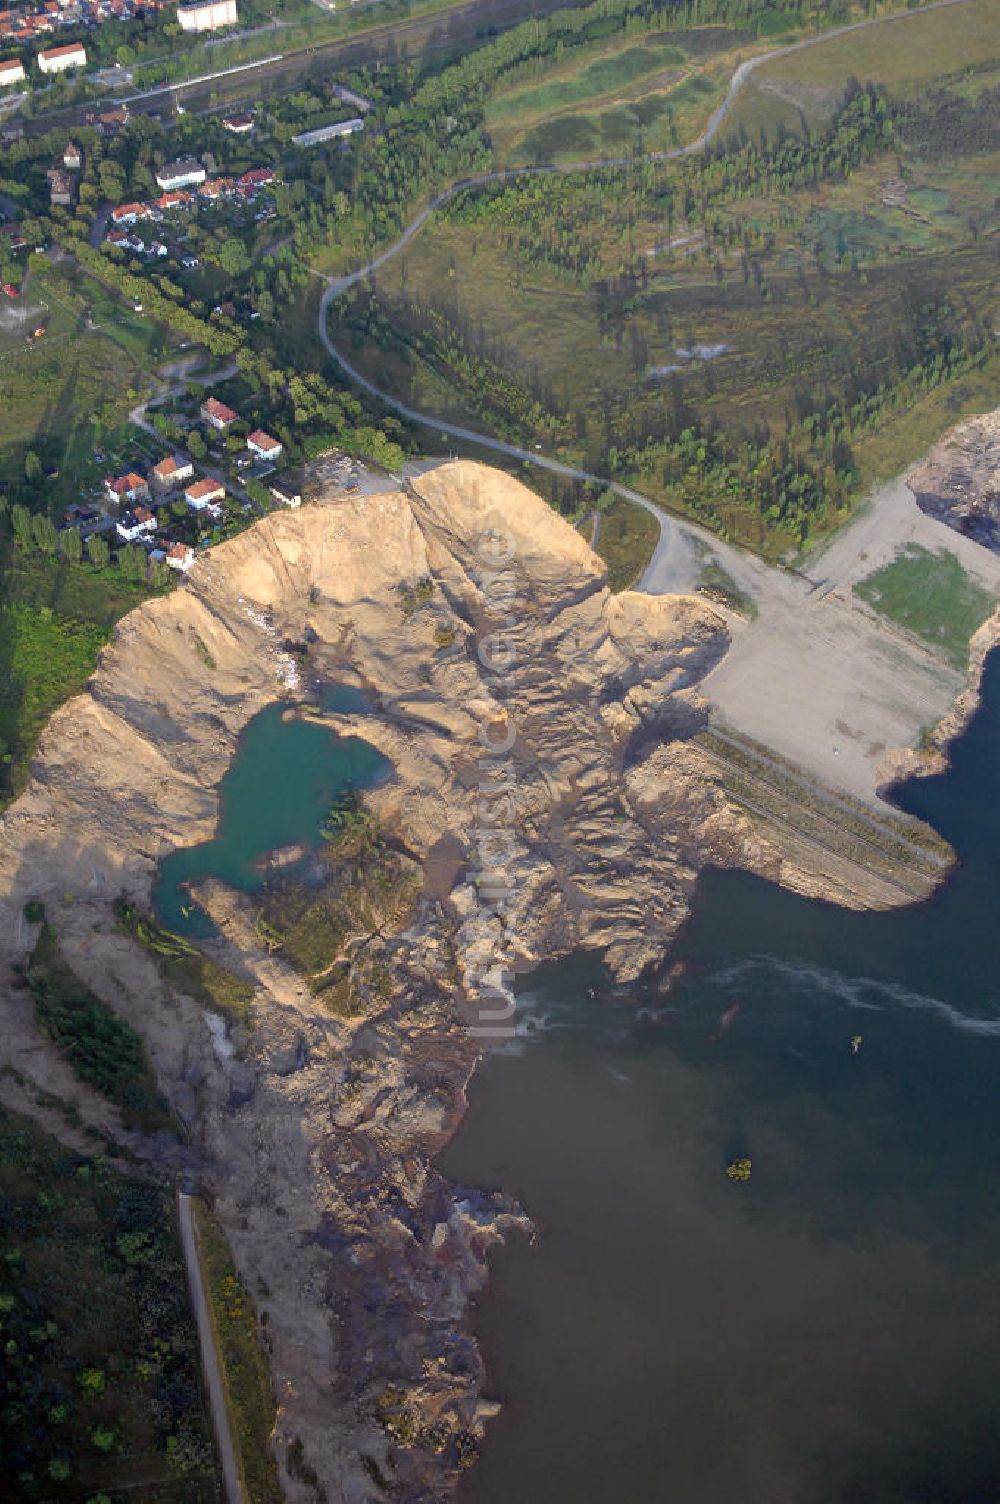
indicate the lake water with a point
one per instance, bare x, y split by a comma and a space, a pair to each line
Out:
278, 791
828, 1333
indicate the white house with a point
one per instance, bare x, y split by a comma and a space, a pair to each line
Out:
180, 174
126, 489
171, 471
205, 496
262, 444
11, 72
127, 214
285, 492
58, 59
217, 414
132, 526
180, 556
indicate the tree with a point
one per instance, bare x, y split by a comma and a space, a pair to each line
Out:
196, 445
43, 533
132, 561
233, 258
21, 520
32, 467
98, 551
72, 545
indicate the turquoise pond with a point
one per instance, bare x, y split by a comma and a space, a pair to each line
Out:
286, 774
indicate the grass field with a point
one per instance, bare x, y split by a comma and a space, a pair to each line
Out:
646, 93
804, 87
931, 596
67, 393
102, 1392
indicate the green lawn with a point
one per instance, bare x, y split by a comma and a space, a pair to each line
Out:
102, 1389
930, 595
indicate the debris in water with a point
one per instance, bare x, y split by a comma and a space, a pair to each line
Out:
739, 1169
725, 1022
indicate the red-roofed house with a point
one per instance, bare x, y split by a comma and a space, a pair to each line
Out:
177, 199
56, 59
171, 471
257, 177
127, 488
127, 214
261, 443
218, 414
180, 556
205, 496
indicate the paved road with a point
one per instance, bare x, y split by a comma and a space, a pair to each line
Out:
676, 564
182, 376
211, 1363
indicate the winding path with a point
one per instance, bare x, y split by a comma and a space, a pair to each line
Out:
675, 563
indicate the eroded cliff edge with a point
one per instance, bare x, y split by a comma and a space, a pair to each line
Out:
551, 784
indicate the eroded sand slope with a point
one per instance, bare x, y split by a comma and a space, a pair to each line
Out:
315, 1132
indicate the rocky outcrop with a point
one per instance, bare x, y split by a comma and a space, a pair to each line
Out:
959, 481
548, 782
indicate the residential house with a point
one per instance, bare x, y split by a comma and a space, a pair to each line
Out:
205, 496
171, 471
285, 491
257, 177
127, 214
15, 235
58, 59
180, 556
240, 125
180, 174
11, 71
108, 122
178, 199
60, 186
72, 157
136, 525
262, 444
217, 414
127, 489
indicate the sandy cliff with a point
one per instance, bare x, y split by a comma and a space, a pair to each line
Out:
548, 782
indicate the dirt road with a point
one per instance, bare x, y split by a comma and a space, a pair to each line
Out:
211, 1362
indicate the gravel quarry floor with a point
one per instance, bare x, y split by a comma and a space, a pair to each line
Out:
818, 675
